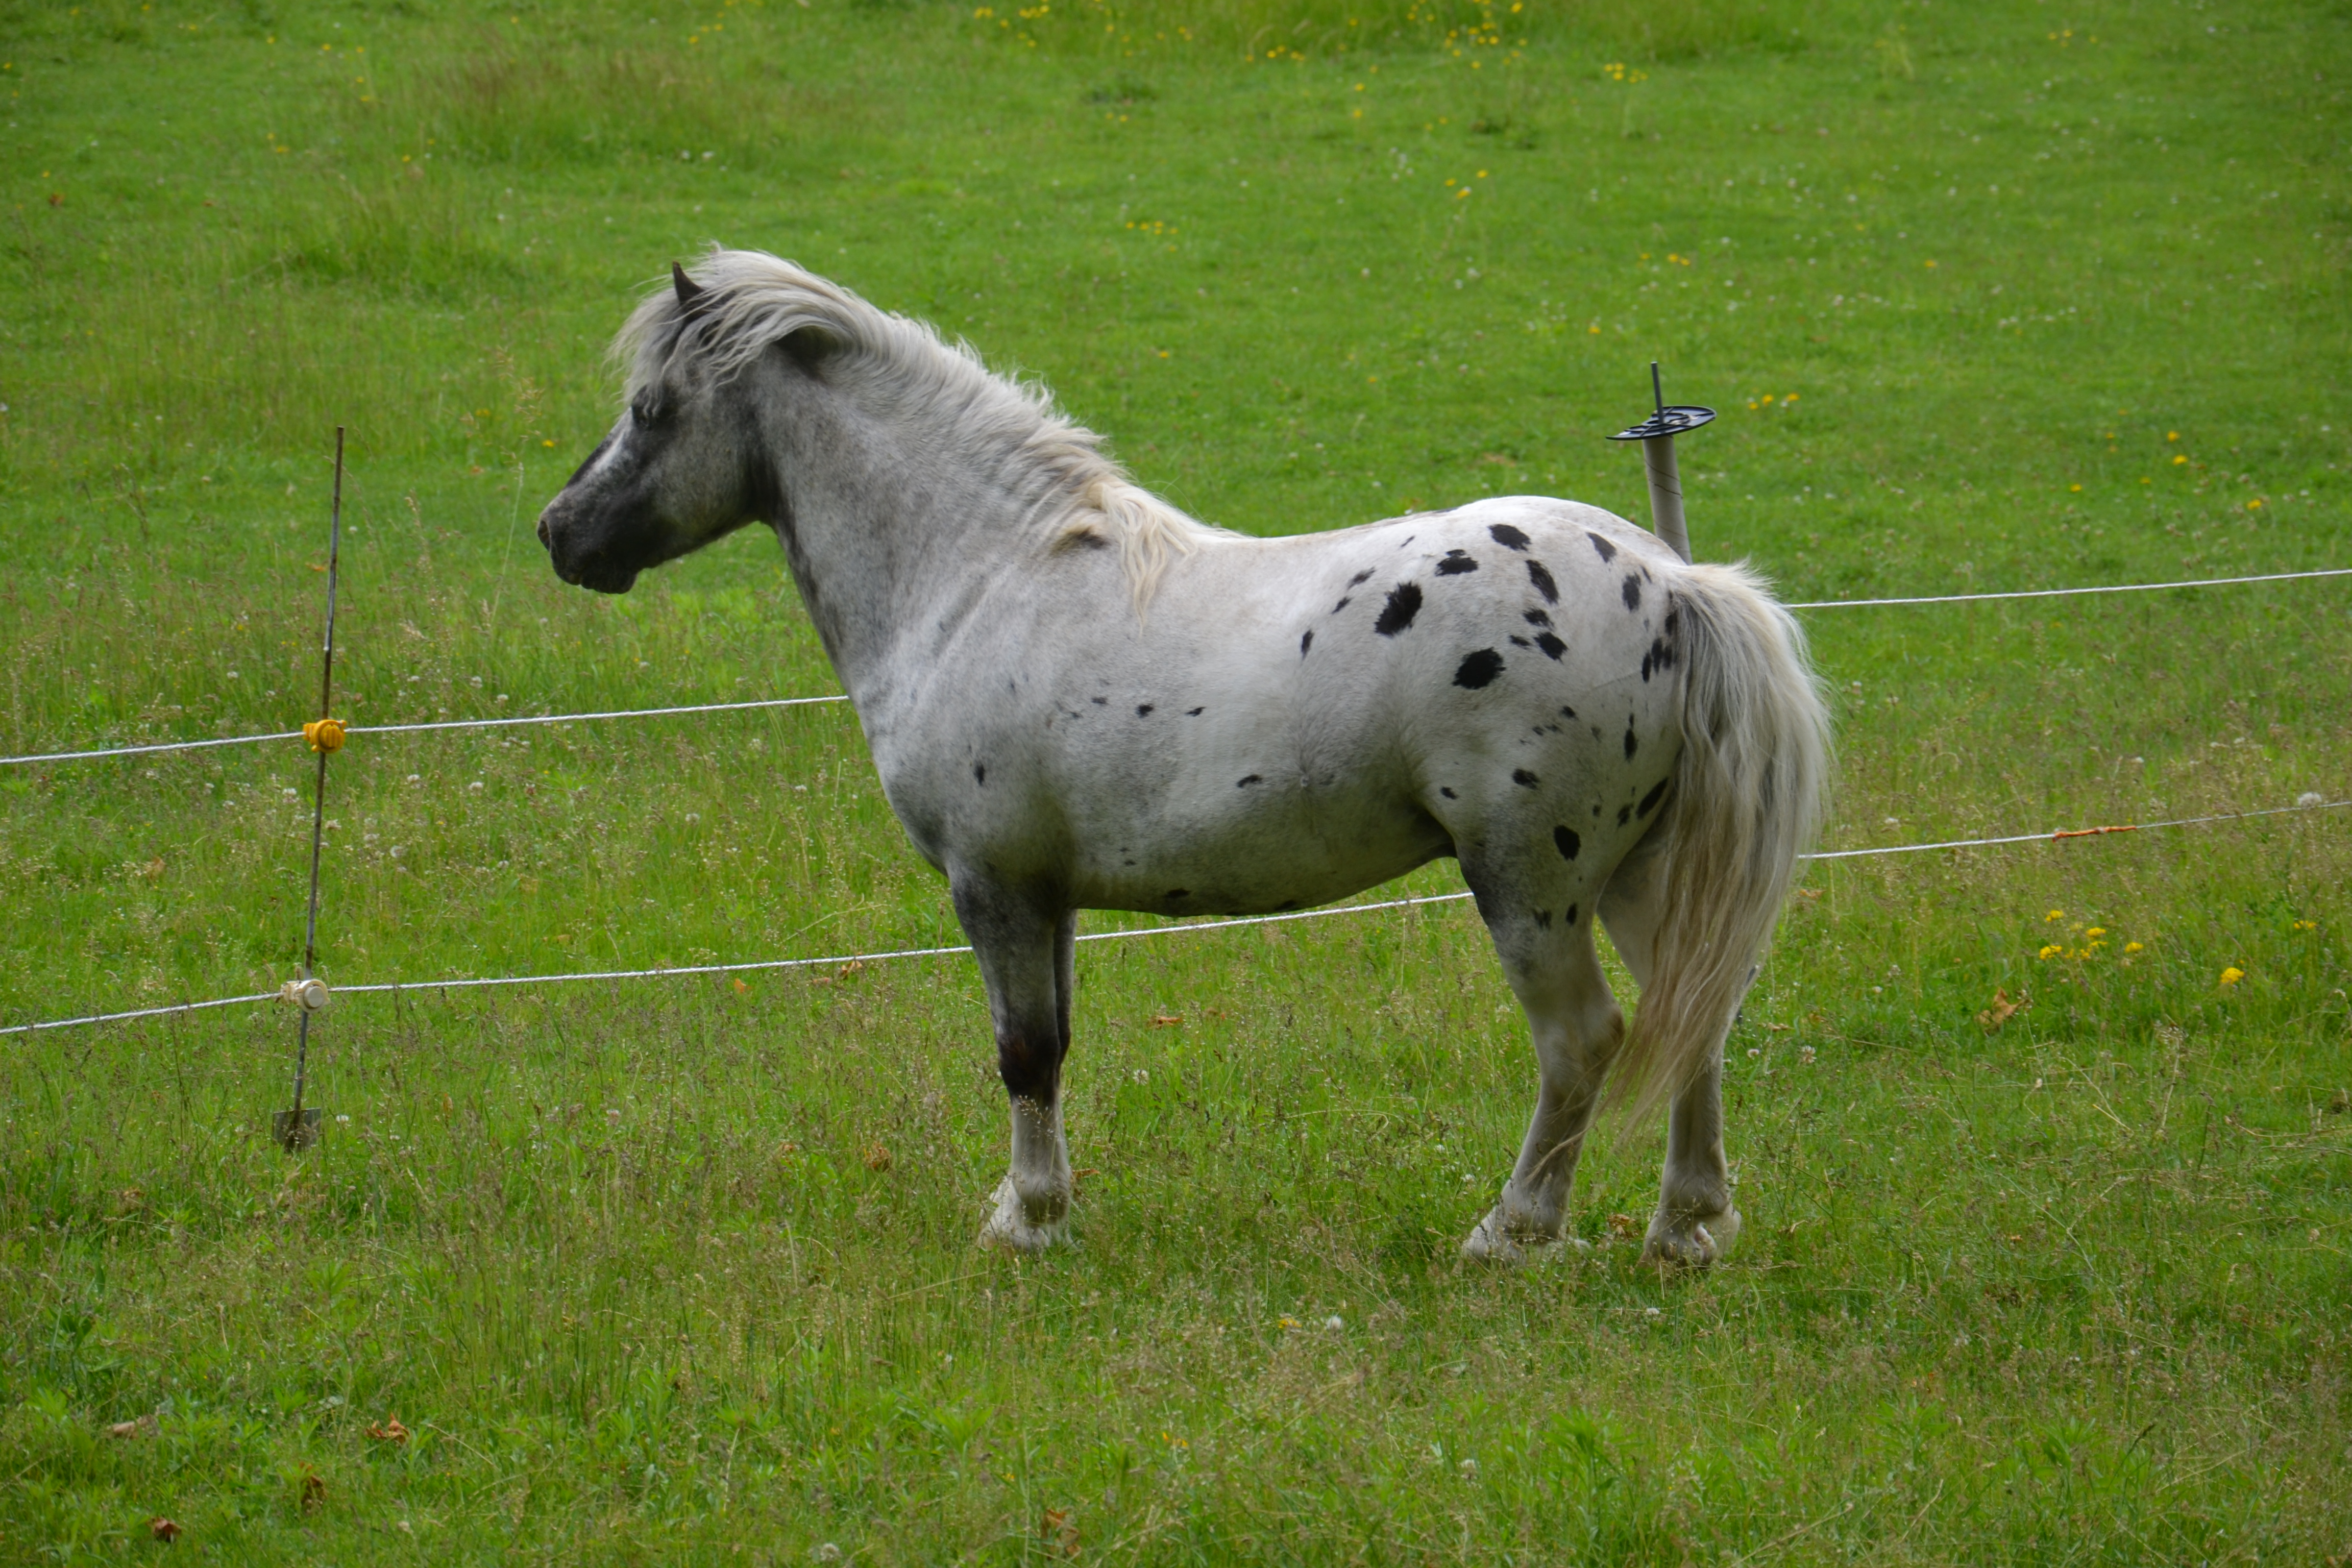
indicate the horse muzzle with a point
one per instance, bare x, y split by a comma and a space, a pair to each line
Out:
583, 568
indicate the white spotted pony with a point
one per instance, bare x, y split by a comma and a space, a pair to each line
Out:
1077, 697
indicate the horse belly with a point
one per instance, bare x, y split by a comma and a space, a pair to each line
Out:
1281, 844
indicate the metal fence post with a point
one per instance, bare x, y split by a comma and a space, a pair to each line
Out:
1657, 434
298, 1128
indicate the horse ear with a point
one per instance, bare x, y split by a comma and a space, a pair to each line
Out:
690, 294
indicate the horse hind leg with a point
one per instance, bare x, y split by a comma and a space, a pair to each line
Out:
1695, 1222
1026, 956
1576, 1027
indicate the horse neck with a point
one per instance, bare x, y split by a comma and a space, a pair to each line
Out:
894, 526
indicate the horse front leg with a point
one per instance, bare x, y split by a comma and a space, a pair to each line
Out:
1026, 949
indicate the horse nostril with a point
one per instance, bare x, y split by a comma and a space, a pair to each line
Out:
543, 540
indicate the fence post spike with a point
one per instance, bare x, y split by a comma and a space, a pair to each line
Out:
1657, 434
298, 1128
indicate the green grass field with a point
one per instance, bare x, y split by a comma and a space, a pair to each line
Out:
1997, 296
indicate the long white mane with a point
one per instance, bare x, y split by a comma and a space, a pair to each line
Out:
756, 299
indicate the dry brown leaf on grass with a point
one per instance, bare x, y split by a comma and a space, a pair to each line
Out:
1622, 1224
144, 1426
389, 1431
2003, 1010
163, 1530
1166, 1020
1060, 1535
878, 1158
314, 1490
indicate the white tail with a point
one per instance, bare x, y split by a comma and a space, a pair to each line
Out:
1746, 801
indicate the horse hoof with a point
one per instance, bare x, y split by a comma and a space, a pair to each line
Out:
1010, 1229
1496, 1241
1691, 1241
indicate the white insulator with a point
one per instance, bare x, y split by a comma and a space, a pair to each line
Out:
308, 995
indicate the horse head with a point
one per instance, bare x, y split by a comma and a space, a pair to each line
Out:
680, 468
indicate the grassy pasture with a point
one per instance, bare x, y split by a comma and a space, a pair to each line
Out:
680, 1271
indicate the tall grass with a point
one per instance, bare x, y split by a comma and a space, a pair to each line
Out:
1281, 29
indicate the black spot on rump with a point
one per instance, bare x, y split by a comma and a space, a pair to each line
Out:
1571, 915
1542, 580
1456, 561
1341, 605
1624, 814
1566, 841
1478, 669
1192, 713
980, 772
1510, 538
1631, 745
1361, 578
1518, 641
1650, 800
1101, 701
1404, 603
1633, 593
1553, 648
1646, 666
1447, 793
1524, 779
1567, 713
1608, 551
1252, 779
1538, 618
1543, 919
1143, 711
1662, 654
1306, 642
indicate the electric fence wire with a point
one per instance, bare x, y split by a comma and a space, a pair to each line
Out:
151, 748
682, 971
